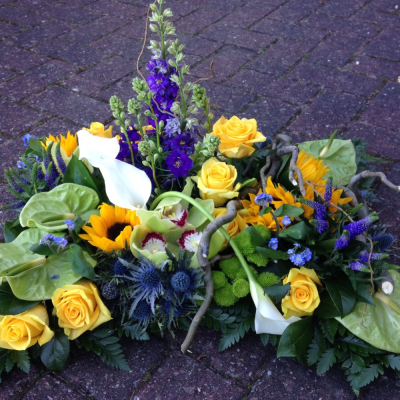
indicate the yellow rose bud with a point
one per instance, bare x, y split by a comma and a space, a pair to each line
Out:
237, 136
18, 332
97, 129
237, 225
79, 308
303, 298
215, 181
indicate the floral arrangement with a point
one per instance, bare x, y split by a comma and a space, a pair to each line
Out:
177, 221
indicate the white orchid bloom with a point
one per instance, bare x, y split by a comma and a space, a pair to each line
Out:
268, 318
126, 185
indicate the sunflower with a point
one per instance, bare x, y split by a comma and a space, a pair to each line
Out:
338, 200
112, 229
68, 144
311, 168
282, 195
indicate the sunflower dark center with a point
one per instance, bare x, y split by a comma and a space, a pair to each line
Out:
114, 231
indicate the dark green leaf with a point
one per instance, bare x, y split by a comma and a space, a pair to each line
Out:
314, 352
21, 358
289, 211
265, 210
35, 145
296, 339
11, 305
279, 291
298, 231
366, 376
248, 183
326, 308
326, 361
264, 338
272, 254
43, 249
364, 294
9, 362
342, 294
329, 327
11, 230
54, 354
78, 262
392, 361
256, 238
77, 172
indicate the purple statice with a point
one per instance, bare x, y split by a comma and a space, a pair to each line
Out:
263, 199
26, 139
358, 227
183, 143
328, 190
179, 164
384, 241
70, 224
364, 257
286, 220
357, 266
273, 244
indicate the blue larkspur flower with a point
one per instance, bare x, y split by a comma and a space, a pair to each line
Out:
184, 143
179, 164
173, 127
286, 220
263, 199
146, 284
273, 244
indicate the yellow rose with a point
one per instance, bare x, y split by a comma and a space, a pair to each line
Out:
303, 298
215, 181
237, 225
79, 308
237, 136
18, 332
97, 129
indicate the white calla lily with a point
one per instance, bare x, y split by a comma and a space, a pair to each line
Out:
126, 186
268, 318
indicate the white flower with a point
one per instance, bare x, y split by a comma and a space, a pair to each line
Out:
126, 185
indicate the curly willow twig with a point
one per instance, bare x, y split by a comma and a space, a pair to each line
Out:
202, 253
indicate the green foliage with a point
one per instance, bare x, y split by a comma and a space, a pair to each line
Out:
329, 327
267, 279
8, 358
224, 296
55, 353
326, 361
231, 267
11, 229
279, 291
106, 346
11, 305
241, 288
289, 211
342, 293
219, 279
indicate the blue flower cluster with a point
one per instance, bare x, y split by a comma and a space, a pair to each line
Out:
70, 224
320, 215
299, 259
273, 244
51, 240
263, 199
328, 190
364, 257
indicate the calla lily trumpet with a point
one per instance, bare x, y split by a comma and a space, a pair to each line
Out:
126, 186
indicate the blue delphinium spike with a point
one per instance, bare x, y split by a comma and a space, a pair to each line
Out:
328, 190
374, 257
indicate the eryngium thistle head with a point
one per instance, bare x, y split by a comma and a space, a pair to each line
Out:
110, 291
384, 241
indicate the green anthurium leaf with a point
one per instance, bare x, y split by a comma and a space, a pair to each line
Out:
342, 293
40, 282
11, 230
380, 323
289, 211
11, 305
54, 354
272, 254
49, 210
196, 217
77, 172
44, 249
298, 231
79, 263
341, 158
296, 338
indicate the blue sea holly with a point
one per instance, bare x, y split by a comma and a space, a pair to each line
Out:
142, 312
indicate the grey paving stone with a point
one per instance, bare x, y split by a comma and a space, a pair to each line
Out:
336, 51
86, 372
288, 31
376, 17
270, 86
63, 103
281, 56
32, 5
271, 115
385, 45
22, 17
295, 10
50, 387
247, 15
329, 111
384, 108
238, 37
222, 5
181, 377
226, 62
199, 46
103, 74
335, 79
6, 74
342, 8
8, 29
16, 118
117, 9
122, 89
36, 80
375, 67
334, 24
69, 13
55, 127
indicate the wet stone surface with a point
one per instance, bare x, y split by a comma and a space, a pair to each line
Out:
297, 67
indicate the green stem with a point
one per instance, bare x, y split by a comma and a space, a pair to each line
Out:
154, 175
183, 98
211, 218
157, 126
127, 140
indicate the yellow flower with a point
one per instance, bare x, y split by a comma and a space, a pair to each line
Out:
308, 211
237, 136
97, 129
79, 308
303, 298
68, 143
215, 181
237, 225
18, 332
338, 200
312, 169
283, 196
111, 230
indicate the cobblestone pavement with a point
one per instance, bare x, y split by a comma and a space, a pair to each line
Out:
301, 67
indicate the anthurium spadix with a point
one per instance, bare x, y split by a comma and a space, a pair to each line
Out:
268, 318
126, 185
